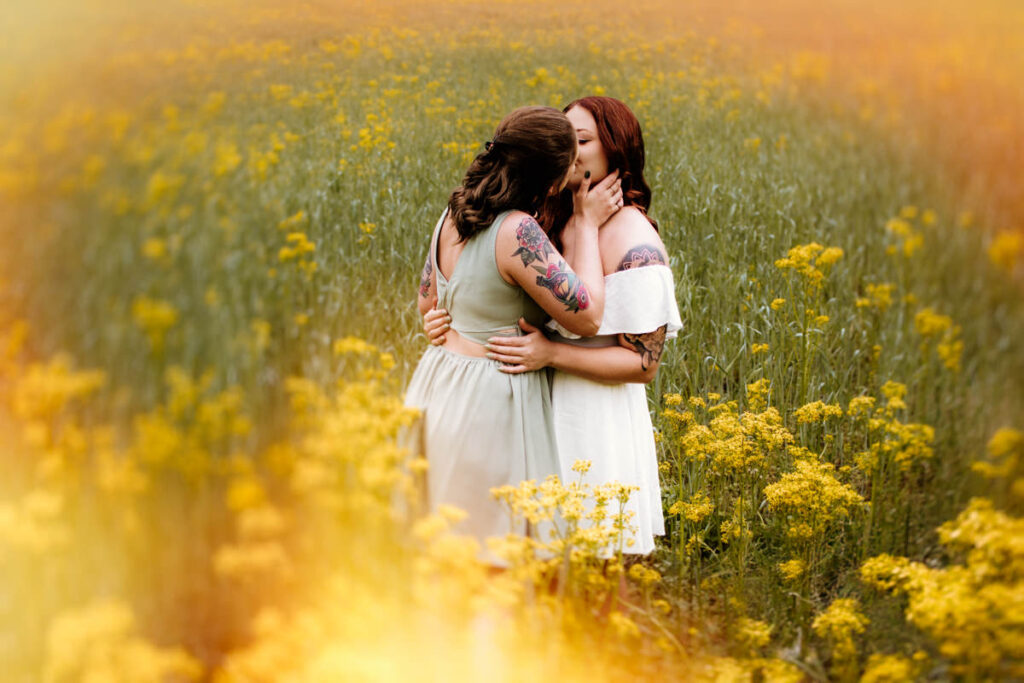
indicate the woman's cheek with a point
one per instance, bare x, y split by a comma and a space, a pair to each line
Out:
597, 166
597, 174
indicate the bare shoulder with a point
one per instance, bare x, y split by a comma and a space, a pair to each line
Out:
516, 221
520, 234
520, 244
629, 240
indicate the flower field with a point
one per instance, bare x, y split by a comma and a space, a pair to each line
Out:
214, 215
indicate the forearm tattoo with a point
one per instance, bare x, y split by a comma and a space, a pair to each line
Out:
642, 255
425, 278
534, 249
649, 345
565, 285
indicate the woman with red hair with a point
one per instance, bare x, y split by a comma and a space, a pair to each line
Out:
598, 396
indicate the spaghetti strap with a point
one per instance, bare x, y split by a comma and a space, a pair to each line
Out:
435, 241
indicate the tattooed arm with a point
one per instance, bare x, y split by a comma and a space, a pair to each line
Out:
571, 293
635, 359
642, 255
427, 296
647, 345
527, 258
610, 364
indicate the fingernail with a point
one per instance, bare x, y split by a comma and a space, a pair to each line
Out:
586, 174
490, 356
445, 326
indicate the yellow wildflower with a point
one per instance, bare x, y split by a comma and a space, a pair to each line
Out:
889, 669
155, 317
792, 570
813, 493
839, 624
753, 633
673, 399
581, 466
695, 510
1007, 250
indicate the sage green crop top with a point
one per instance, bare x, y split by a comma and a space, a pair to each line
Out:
479, 301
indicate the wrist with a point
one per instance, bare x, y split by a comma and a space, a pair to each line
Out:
554, 355
585, 222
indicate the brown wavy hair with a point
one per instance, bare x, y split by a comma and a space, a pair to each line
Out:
531, 150
623, 142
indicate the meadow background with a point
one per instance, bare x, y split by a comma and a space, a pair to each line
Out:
214, 215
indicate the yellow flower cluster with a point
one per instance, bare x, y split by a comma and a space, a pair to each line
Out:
155, 317
644, 576
877, 296
1005, 460
1007, 250
812, 261
695, 510
940, 328
754, 634
297, 249
291, 223
908, 239
817, 412
811, 493
840, 623
34, 523
893, 668
758, 393
43, 390
971, 610
792, 570
891, 440
100, 642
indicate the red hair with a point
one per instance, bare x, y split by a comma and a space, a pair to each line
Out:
623, 145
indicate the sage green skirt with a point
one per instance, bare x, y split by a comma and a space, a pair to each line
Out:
482, 428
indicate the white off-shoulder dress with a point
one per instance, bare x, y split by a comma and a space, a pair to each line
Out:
609, 424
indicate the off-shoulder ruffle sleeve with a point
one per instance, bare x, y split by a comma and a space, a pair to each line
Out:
636, 300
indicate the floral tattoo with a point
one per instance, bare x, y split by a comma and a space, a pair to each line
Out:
649, 345
534, 248
425, 278
642, 255
533, 243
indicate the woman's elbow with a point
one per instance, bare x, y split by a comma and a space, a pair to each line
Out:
590, 321
648, 373
591, 328
584, 326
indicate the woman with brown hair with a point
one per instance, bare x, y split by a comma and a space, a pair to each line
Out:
491, 265
598, 396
